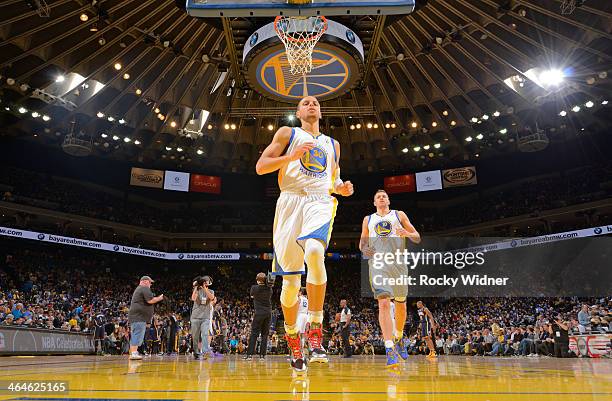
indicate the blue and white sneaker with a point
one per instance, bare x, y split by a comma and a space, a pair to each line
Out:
401, 349
392, 358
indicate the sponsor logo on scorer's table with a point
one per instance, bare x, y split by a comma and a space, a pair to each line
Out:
181, 256
41, 236
598, 230
116, 248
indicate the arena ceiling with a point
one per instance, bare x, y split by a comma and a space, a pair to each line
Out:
450, 83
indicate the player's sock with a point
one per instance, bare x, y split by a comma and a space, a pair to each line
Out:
315, 317
389, 344
291, 329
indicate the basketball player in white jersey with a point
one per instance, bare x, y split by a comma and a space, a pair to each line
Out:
302, 319
384, 231
308, 168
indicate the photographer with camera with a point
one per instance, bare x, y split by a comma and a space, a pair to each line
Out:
203, 299
559, 330
261, 294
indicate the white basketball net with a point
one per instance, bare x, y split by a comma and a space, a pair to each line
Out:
568, 6
300, 35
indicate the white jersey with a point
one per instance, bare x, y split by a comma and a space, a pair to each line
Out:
384, 226
303, 308
313, 172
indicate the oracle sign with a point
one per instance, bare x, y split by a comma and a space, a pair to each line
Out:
400, 183
205, 183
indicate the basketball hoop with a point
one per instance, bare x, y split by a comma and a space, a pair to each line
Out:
300, 35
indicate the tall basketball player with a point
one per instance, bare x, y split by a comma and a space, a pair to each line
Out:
308, 173
384, 231
427, 324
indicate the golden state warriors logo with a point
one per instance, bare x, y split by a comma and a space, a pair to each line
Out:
314, 161
383, 228
329, 75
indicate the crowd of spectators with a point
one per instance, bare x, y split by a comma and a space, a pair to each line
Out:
57, 288
526, 197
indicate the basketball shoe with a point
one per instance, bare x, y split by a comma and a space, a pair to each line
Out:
401, 349
392, 359
298, 363
315, 339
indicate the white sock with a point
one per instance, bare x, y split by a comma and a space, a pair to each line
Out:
388, 343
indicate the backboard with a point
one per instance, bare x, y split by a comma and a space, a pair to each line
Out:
272, 8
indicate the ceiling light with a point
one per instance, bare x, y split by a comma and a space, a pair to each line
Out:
503, 131
122, 121
115, 137
400, 56
589, 104
576, 109
117, 66
468, 139
290, 117
46, 118
479, 136
270, 127
35, 114
485, 116
101, 41
126, 76
127, 139
563, 113
434, 124
226, 126
233, 126
84, 17
552, 77
200, 151
23, 110
369, 125
352, 127
60, 78
474, 119
138, 92
405, 150
161, 116
358, 126
453, 123
375, 126
210, 126
93, 27
387, 125
179, 149
156, 110
392, 125
445, 113
168, 148
136, 142
416, 148
103, 135
496, 113
111, 118
437, 145
100, 114
604, 102
173, 124
426, 147
414, 124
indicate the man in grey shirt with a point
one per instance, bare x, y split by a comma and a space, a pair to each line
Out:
141, 313
584, 319
203, 299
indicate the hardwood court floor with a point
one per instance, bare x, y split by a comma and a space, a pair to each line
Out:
229, 378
